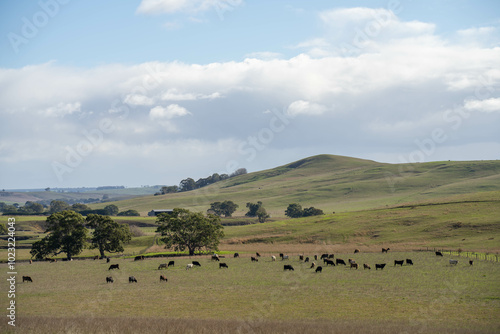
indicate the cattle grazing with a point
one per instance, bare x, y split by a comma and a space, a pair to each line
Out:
379, 266
171, 263
356, 251
285, 257
351, 261
114, 266
331, 256
189, 266
409, 262
439, 254
215, 257
319, 269
223, 265
236, 255
301, 257
162, 266
385, 250
31, 262
163, 278
366, 266
323, 256
315, 257
273, 258
138, 258
354, 265
196, 263
108, 260
396, 262
313, 265
281, 255
27, 279
132, 279
254, 259
329, 262
340, 261
454, 262
471, 262
306, 260
257, 254
288, 267
96, 257
109, 279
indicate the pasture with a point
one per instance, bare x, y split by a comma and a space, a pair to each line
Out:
260, 297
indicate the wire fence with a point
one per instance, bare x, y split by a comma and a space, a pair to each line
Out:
467, 254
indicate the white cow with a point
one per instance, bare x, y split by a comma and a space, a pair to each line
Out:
273, 258
285, 257
189, 266
454, 262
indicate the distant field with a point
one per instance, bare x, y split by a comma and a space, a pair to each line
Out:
429, 297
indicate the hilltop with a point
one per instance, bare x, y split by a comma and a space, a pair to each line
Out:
334, 183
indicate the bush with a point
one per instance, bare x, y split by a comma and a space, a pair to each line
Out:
134, 213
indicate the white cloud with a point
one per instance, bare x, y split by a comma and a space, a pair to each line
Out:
61, 109
171, 111
186, 6
138, 100
174, 94
488, 105
302, 107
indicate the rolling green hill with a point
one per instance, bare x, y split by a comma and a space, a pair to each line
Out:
334, 183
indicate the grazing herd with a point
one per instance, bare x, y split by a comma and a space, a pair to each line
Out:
328, 260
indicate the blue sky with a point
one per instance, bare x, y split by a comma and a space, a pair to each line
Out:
154, 91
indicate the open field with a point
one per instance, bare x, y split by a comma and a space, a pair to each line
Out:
261, 297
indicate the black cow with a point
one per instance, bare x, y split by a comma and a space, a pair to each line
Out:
340, 261
306, 260
396, 262
132, 279
356, 251
223, 265
27, 279
385, 250
471, 262
301, 257
379, 266
409, 262
254, 259
140, 257
439, 254
236, 255
329, 262
288, 267
114, 266
281, 255
319, 269
171, 263
323, 256
108, 260
163, 278
257, 254
196, 263
215, 257
109, 279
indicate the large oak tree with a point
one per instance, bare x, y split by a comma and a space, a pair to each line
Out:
108, 235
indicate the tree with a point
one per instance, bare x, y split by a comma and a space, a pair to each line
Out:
262, 215
294, 210
239, 171
32, 208
58, 206
169, 189
226, 208
3, 229
108, 235
312, 211
193, 231
129, 213
187, 184
252, 209
79, 207
66, 234
111, 210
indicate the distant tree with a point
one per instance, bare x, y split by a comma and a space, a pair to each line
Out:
9, 209
252, 209
129, 213
78, 207
312, 211
239, 171
169, 189
183, 229
111, 210
108, 235
66, 234
58, 206
32, 208
3, 229
47, 189
187, 185
226, 208
294, 210
105, 197
262, 215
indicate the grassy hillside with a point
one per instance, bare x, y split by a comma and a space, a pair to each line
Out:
334, 183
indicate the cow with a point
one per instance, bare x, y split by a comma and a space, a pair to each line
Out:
471, 262
385, 250
439, 254
257, 254
215, 257
354, 265
27, 279
288, 267
223, 265
96, 257
31, 262
331, 256
379, 266
409, 262
108, 260
329, 262
109, 279
138, 258
356, 251
351, 261
171, 263
196, 263
189, 266
236, 255
281, 255
162, 266
313, 265
319, 269
273, 258
132, 279
285, 257
366, 266
301, 257
340, 261
396, 262
254, 259
324, 255
306, 260
114, 266
454, 262
163, 278
315, 257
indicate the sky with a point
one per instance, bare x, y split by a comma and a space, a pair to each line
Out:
150, 92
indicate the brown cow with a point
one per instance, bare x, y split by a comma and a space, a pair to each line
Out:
356, 251
163, 278
354, 265
365, 266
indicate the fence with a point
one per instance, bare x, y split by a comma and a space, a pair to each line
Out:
460, 253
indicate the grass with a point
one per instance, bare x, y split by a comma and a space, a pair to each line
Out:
431, 295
